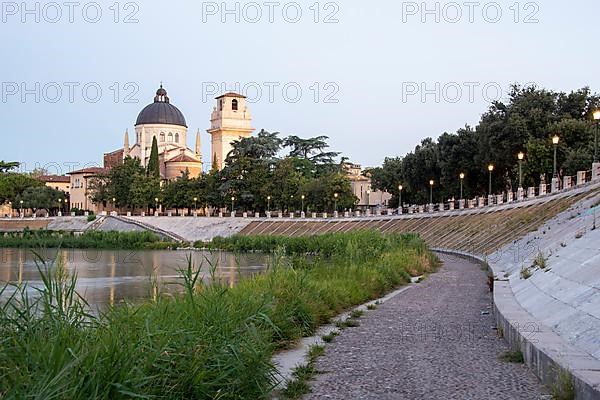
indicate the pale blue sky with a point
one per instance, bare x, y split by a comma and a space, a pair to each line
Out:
371, 55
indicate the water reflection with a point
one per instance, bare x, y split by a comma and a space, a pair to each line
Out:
112, 276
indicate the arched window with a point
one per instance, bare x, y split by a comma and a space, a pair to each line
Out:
162, 137
234, 105
177, 138
170, 138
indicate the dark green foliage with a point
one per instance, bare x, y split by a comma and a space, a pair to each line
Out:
525, 123
89, 240
153, 168
12, 185
40, 198
513, 357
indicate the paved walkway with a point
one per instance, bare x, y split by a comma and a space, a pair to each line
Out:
434, 341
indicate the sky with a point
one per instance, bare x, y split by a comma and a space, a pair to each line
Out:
375, 76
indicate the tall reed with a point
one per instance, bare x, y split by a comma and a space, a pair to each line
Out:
210, 342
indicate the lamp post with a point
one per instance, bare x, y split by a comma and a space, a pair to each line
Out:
335, 196
22, 214
156, 204
11, 208
555, 141
268, 203
521, 157
369, 200
303, 197
490, 169
59, 206
597, 120
400, 199
232, 202
462, 178
195, 205
431, 183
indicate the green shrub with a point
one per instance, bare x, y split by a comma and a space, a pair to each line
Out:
89, 240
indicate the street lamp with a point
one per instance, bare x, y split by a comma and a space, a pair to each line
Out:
335, 195
22, 214
195, 204
491, 169
156, 202
232, 201
59, 205
431, 183
400, 199
597, 120
268, 203
303, 197
555, 141
368, 199
521, 157
462, 178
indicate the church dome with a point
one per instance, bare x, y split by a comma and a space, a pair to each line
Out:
161, 112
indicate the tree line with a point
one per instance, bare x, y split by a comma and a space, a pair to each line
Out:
264, 172
526, 123
26, 190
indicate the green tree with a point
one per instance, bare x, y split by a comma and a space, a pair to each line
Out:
153, 169
121, 181
40, 198
8, 166
13, 184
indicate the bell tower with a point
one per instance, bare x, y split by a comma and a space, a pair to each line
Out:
229, 121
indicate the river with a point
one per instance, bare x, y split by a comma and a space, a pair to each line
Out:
108, 277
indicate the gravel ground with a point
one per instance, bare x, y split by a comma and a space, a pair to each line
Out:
434, 341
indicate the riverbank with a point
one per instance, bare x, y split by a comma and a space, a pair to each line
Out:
212, 342
31, 239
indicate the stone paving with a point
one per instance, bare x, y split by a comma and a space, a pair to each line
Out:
434, 341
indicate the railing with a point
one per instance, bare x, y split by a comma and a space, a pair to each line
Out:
522, 195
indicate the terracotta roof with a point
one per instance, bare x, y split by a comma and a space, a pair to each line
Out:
183, 158
92, 170
231, 94
55, 178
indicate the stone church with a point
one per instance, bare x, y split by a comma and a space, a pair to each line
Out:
230, 120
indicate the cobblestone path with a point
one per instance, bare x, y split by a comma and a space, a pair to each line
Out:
433, 341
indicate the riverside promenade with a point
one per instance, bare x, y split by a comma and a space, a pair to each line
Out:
434, 341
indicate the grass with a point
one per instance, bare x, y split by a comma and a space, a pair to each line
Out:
89, 240
210, 342
330, 336
563, 388
526, 272
515, 357
299, 385
540, 261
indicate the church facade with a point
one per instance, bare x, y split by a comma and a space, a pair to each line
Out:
230, 120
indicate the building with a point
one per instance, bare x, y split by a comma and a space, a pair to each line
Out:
162, 121
79, 193
229, 121
58, 182
363, 190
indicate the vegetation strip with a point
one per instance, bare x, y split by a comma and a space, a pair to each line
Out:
89, 240
212, 341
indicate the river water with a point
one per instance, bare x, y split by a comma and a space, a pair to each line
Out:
108, 277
